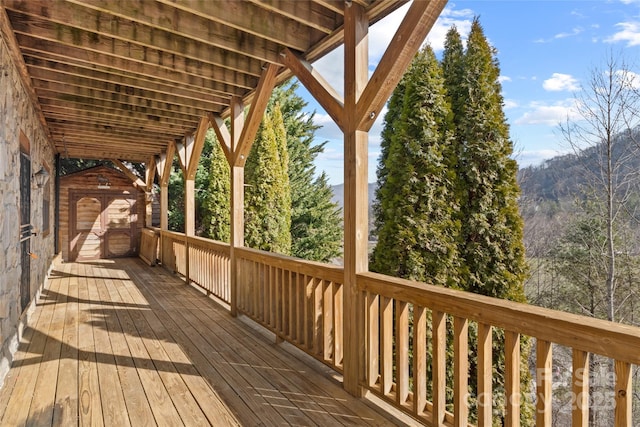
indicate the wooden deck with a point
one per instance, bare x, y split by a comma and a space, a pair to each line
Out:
119, 343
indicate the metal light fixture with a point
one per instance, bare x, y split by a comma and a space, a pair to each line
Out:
41, 177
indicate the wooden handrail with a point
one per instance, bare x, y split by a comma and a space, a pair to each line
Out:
302, 302
614, 340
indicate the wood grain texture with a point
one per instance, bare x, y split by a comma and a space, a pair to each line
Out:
119, 343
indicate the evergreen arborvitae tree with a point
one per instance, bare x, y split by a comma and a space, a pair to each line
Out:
417, 234
381, 211
316, 231
216, 204
491, 240
267, 195
491, 249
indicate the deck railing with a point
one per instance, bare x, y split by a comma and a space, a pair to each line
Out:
409, 328
209, 261
300, 301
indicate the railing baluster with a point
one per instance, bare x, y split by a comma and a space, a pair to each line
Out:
461, 370
328, 324
386, 343
485, 375
318, 317
512, 378
338, 322
373, 338
580, 388
623, 395
544, 382
402, 352
438, 365
419, 359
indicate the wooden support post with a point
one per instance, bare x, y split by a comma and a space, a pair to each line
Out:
150, 174
355, 196
163, 169
237, 202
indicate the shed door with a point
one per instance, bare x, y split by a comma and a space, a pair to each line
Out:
103, 226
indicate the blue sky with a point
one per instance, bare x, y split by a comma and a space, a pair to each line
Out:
546, 50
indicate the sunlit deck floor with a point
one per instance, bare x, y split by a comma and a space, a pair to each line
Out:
119, 343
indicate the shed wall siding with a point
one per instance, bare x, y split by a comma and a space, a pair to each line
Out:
17, 114
86, 181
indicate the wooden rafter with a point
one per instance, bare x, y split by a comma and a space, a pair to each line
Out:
258, 106
224, 137
410, 35
157, 66
139, 183
196, 149
326, 95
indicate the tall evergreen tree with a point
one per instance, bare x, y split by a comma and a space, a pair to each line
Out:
491, 239
416, 237
267, 195
316, 231
216, 203
492, 255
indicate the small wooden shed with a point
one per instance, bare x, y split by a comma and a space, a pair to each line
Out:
102, 214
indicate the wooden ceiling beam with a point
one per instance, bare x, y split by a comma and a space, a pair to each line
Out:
55, 116
84, 97
106, 58
68, 66
310, 14
63, 110
165, 17
92, 21
80, 128
243, 16
113, 87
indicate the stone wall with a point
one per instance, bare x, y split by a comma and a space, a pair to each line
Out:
17, 115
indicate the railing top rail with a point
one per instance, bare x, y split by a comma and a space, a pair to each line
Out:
312, 268
615, 340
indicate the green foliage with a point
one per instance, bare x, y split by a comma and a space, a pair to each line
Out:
267, 195
176, 198
492, 256
447, 209
316, 232
216, 207
491, 240
418, 231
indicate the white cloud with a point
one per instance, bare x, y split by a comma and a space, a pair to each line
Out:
550, 115
510, 103
629, 32
561, 82
503, 79
574, 32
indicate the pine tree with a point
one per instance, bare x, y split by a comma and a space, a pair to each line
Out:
416, 239
267, 195
492, 256
316, 231
216, 203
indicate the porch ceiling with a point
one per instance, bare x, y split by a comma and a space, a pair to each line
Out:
122, 78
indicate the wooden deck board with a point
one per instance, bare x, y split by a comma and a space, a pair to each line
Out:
120, 343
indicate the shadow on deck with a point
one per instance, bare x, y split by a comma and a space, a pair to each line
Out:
120, 343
